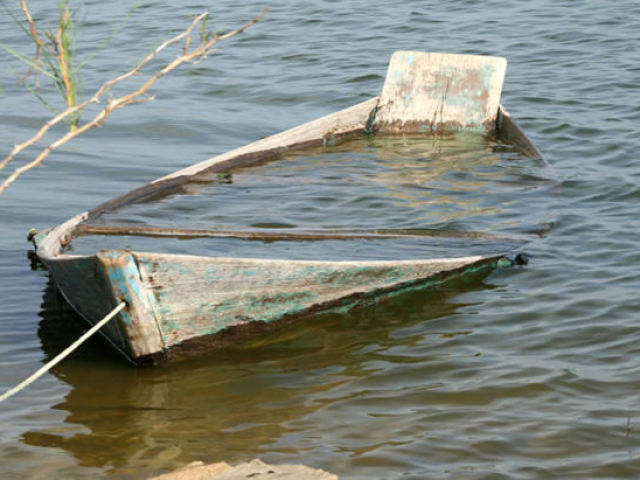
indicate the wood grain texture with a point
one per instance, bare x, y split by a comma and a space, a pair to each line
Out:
122, 278
197, 296
322, 131
289, 234
436, 93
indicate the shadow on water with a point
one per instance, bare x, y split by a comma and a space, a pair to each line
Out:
232, 405
60, 325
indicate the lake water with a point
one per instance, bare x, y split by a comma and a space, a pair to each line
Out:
525, 373
454, 196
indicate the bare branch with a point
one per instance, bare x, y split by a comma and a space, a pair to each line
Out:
199, 52
32, 26
34, 34
106, 86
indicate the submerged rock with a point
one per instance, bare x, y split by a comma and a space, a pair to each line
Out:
255, 469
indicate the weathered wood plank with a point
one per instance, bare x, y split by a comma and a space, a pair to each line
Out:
439, 93
323, 131
308, 235
197, 296
121, 275
509, 129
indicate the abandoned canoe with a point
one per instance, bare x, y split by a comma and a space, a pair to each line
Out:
182, 299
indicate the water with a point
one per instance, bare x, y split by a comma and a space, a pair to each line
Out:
525, 373
448, 197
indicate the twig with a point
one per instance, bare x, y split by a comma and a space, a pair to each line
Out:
106, 86
200, 52
36, 38
32, 26
34, 34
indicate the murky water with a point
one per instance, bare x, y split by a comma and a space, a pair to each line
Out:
433, 197
525, 373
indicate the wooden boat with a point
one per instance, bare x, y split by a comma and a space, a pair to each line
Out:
196, 301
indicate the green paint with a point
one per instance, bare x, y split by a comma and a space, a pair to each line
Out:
369, 283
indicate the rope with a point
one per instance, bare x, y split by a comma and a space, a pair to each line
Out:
66, 352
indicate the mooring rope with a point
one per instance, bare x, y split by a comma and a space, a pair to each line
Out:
67, 351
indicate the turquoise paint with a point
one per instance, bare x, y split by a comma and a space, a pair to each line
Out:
210, 317
240, 309
487, 74
169, 327
118, 281
291, 303
157, 301
504, 262
129, 277
364, 275
38, 238
268, 308
251, 272
168, 268
471, 101
377, 296
125, 281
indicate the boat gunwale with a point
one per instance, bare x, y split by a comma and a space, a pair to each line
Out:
313, 263
323, 130
356, 117
52, 246
329, 131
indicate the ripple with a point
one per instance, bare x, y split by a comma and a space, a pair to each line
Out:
527, 373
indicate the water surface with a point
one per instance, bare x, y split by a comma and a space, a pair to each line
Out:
526, 373
433, 197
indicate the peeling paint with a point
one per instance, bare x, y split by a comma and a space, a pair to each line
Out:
435, 93
199, 296
123, 279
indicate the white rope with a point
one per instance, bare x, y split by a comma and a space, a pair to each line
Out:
63, 354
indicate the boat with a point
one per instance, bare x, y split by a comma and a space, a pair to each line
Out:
179, 302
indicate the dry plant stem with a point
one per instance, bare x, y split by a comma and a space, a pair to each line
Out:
200, 52
61, 52
32, 26
63, 67
34, 34
106, 86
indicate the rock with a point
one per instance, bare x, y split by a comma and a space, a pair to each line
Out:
255, 469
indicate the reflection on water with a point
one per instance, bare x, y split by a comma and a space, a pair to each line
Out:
536, 378
457, 183
240, 402
409, 182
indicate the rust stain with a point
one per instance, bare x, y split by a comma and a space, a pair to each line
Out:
440, 129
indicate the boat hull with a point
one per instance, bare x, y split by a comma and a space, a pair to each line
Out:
175, 301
